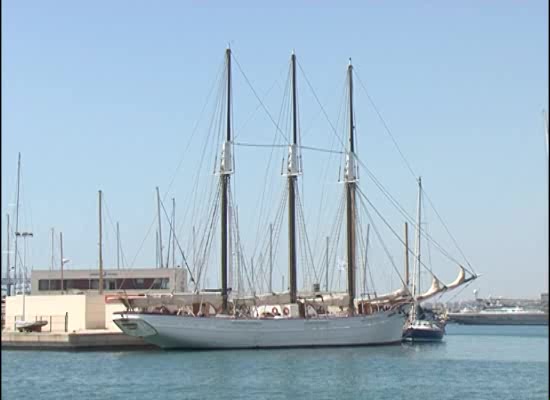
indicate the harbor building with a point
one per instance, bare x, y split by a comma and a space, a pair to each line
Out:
80, 307
131, 281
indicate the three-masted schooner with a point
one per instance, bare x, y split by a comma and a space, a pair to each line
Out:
273, 320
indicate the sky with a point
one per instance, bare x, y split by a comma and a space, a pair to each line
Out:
121, 97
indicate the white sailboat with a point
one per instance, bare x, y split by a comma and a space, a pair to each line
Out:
417, 328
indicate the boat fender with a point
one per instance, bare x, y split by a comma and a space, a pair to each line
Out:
286, 311
274, 311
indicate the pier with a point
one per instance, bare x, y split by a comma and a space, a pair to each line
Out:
83, 340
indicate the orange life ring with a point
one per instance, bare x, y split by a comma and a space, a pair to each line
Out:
286, 311
274, 311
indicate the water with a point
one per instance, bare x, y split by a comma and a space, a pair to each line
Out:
473, 362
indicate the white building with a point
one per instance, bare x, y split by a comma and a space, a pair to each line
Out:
137, 280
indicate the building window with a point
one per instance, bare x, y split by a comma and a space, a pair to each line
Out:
49, 284
160, 283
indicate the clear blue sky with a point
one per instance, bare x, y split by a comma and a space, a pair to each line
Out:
105, 95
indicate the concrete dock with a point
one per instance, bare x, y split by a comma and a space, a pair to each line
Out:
83, 340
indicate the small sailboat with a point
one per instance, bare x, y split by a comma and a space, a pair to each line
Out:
30, 326
419, 327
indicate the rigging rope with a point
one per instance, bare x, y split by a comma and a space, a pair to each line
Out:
408, 165
384, 191
258, 98
286, 146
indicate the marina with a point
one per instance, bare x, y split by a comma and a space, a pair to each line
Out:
513, 359
276, 201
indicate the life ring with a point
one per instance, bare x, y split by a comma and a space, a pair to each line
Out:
274, 311
286, 311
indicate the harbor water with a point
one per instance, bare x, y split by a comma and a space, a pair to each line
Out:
473, 362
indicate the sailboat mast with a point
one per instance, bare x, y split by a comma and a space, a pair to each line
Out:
52, 267
117, 246
406, 255
350, 199
270, 289
100, 247
226, 168
8, 272
160, 229
546, 130
364, 289
292, 177
173, 232
327, 264
16, 223
416, 285
61, 261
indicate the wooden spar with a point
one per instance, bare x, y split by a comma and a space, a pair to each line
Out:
61, 260
173, 232
117, 246
364, 289
406, 255
292, 177
157, 248
270, 289
350, 200
100, 285
8, 269
225, 170
15, 269
416, 271
160, 228
326, 267
52, 266
546, 130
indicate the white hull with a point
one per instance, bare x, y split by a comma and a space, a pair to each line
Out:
172, 331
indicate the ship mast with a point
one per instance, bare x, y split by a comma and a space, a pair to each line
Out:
226, 169
15, 277
416, 277
351, 182
292, 175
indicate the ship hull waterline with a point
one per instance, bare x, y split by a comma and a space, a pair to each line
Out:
423, 335
178, 332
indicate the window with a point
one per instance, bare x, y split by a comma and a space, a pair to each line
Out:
160, 283
49, 284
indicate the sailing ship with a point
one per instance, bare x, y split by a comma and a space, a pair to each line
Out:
224, 319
